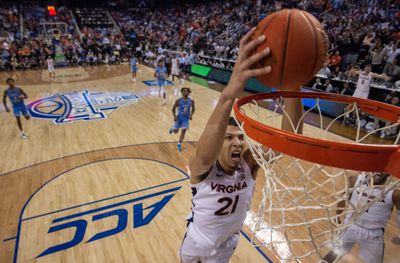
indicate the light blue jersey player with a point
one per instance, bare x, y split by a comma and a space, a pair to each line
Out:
133, 64
16, 95
161, 73
186, 110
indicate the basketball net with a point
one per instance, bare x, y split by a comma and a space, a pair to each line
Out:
298, 214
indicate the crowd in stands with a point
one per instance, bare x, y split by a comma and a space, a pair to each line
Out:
359, 33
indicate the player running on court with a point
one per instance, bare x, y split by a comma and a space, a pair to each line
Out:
186, 110
16, 95
160, 73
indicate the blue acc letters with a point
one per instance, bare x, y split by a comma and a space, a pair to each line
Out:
142, 215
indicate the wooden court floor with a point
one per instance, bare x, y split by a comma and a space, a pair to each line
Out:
107, 190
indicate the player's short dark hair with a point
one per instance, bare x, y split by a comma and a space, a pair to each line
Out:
186, 88
9, 80
232, 122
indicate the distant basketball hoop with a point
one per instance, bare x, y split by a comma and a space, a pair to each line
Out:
54, 29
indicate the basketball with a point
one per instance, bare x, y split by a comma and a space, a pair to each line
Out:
298, 46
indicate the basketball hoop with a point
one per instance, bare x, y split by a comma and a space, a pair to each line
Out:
306, 175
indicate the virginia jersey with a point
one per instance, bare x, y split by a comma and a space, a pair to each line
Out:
50, 63
220, 205
379, 213
175, 63
13, 95
184, 107
364, 82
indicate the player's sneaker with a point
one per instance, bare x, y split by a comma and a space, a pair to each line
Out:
171, 130
179, 147
23, 136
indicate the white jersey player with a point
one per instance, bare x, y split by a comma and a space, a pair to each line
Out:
222, 171
175, 72
50, 67
369, 229
364, 81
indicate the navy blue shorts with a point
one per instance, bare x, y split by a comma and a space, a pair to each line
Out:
20, 109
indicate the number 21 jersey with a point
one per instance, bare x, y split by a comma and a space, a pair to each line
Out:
220, 205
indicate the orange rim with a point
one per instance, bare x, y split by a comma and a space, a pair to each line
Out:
354, 156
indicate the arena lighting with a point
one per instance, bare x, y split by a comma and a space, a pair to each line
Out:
52, 10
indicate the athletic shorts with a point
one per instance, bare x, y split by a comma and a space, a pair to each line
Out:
370, 240
181, 123
191, 252
161, 82
20, 109
361, 94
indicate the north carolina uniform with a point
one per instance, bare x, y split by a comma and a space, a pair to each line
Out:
363, 85
134, 64
220, 205
369, 228
50, 65
161, 74
184, 109
18, 104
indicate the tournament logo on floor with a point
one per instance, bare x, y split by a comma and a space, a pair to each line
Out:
77, 106
155, 83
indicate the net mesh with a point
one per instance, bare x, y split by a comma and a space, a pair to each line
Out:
305, 207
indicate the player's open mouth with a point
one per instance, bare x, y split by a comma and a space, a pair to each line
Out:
235, 156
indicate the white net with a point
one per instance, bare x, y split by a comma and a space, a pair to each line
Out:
305, 207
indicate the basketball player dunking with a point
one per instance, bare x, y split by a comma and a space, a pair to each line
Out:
16, 96
223, 171
369, 229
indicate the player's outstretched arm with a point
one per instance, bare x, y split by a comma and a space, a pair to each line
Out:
380, 76
354, 71
211, 141
396, 202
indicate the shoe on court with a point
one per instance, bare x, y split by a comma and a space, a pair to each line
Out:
171, 130
179, 147
24, 137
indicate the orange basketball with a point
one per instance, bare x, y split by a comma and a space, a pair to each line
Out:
299, 48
